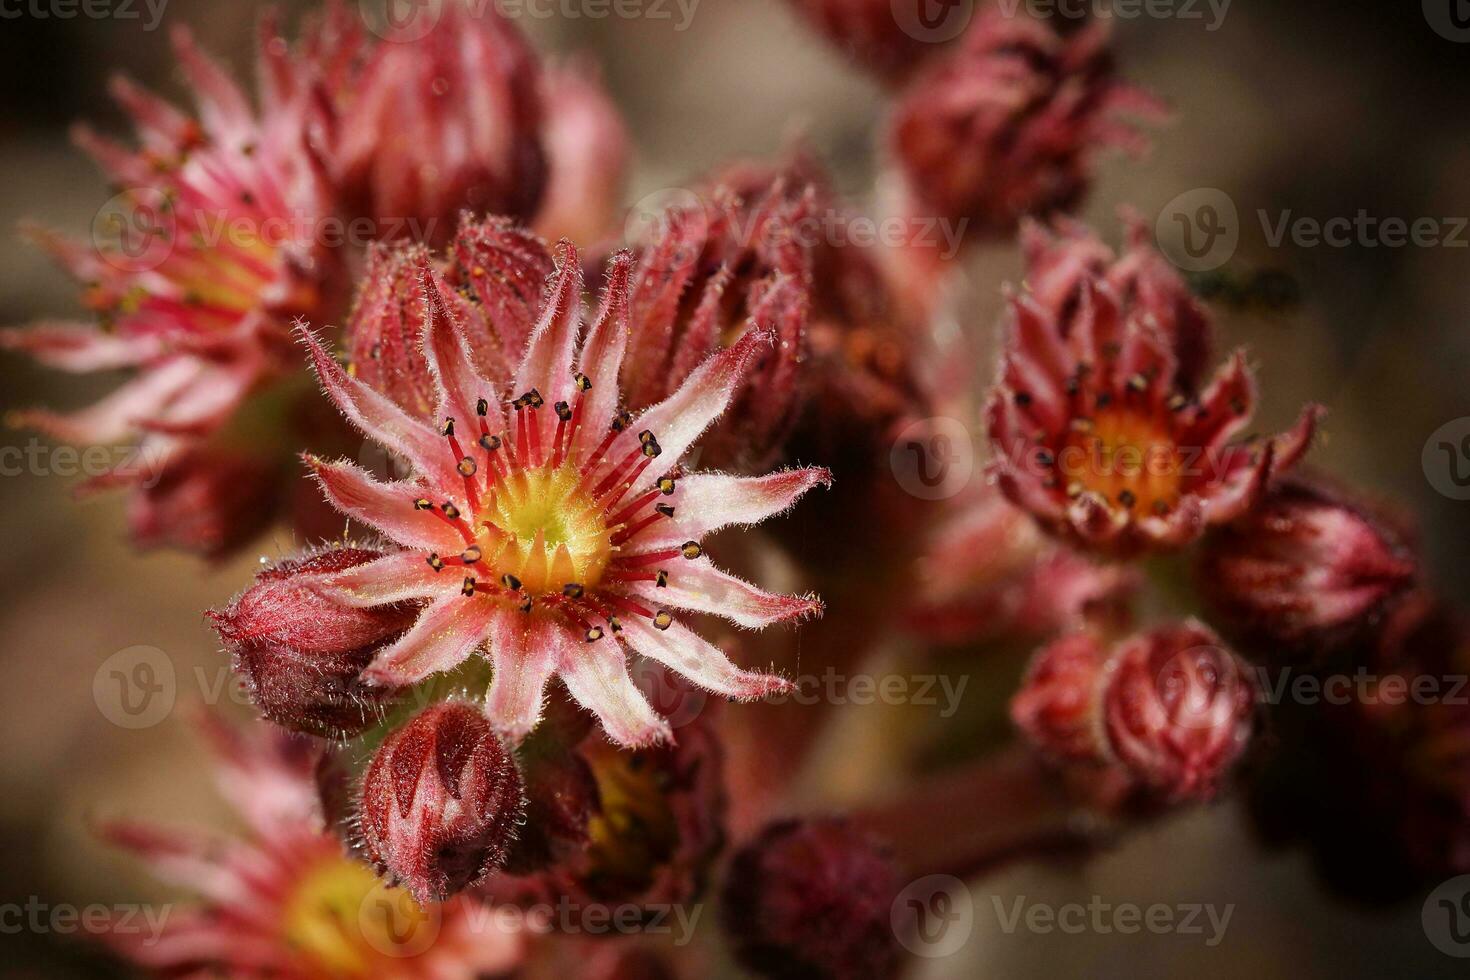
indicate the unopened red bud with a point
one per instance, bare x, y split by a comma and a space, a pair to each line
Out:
813, 898
1308, 570
1057, 705
1178, 709
302, 652
440, 802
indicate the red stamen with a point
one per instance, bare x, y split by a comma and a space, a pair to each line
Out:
633, 508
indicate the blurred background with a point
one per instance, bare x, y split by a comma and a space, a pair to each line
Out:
1313, 107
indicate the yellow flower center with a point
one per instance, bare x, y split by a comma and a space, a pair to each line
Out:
544, 529
342, 919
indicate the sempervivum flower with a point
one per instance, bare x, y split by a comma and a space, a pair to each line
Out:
440, 802
1308, 569
194, 272
1172, 708
1095, 439
303, 654
813, 898
1061, 257
872, 34
550, 529
1008, 123
443, 122
709, 269
989, 574
285, 902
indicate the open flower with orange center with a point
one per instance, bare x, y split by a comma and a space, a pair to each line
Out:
544, 526
287, 903
1096, 440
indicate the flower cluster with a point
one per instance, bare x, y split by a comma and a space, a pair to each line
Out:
506, 682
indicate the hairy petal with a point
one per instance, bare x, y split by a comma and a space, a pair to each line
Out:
445, 635
699, 586
706, 502
681, 649
388, 507
524, 652
596, 674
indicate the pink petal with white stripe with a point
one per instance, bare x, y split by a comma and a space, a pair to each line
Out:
398, 577
682, 417
387, 507
446, 634
692, 656
698, 586
524, 652
596, 674
379, 418
706, 502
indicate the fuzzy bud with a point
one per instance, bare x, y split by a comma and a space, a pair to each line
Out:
445, 122
303, 653
1178, 709
1057, 705
813, 898
1306, 570
1008, 123
440, 802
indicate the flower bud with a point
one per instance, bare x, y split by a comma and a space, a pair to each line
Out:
1178, 709
812, 898
440, 802
1057, 705
442, 123
1008, 123
1305, 571
302, 653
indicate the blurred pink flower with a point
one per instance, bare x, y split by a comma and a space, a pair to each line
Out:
285, 902
1094, 437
